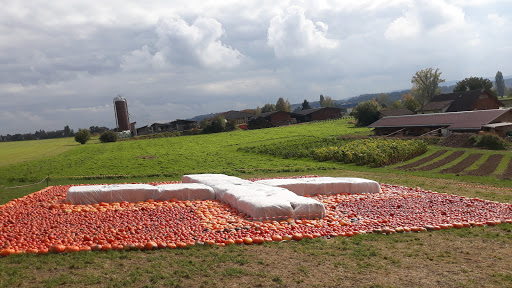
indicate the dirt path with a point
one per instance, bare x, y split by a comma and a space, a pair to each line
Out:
422, 160
507, 174
488, 166
459, 167
441, 162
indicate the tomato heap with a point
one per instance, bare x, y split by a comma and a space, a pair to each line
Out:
41, 222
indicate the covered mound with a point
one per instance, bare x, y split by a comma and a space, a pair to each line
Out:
325, 185
257, 200
89, 194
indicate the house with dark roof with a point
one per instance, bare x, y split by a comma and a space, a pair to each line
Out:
461, 101
394, 112
317, 114
445, 123
182, 125
277, 118
236, 116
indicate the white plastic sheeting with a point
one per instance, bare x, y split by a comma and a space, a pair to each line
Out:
84, 195
257, 200
325, 185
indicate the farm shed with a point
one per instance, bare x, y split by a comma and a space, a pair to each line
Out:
237, 116
182, 125
461, 101
440, 123
317, 114
394, 112
278, 118
144, 130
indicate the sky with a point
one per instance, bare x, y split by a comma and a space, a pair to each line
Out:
63, 61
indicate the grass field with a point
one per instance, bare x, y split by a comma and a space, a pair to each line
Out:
470, 257
21, 151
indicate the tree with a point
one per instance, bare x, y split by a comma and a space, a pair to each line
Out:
305, 105
366, 112
409, 102
473, 83
500, 84
268, 108
383, 100
218, 124
327, 102
283, 105
321, 98
397, 104
425, 85
108, 136
67, 131
82, 136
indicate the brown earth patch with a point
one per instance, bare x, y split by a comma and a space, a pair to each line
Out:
488, 166
422, 160
459, 167
441, 162
457, 140
508, 172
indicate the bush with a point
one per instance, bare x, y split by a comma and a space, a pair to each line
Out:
217, 125
366, 112
373, 152
108, 136
82, 136
489, 141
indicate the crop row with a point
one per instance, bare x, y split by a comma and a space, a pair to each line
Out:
373, 152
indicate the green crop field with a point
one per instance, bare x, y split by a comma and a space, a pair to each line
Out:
470, 257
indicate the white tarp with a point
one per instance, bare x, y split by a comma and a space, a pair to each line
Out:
257, 200
83, 195
325, 185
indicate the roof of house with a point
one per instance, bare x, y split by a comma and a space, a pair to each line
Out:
309, 111
270, 113
395, 112
452, 120
183, 121
235, 115
457, 101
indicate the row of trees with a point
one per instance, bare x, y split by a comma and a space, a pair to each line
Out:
41, 134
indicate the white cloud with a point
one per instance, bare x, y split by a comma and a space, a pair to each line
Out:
291, 34
199, 42
496, 19
426, 17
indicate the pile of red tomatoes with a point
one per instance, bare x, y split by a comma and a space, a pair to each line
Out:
41, 222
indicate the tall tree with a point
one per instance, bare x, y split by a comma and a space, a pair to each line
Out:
383, 100
305, 105
268, 108
321, 98
283, 105
473, 83
425, 84
500, 84
327, 102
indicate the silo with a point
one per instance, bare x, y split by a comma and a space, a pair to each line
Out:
121, 110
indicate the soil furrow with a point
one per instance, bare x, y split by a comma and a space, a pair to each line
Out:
459, 167
441, 162
422, 160
507, 174
488, 166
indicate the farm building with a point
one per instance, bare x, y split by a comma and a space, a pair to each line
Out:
236, 116
496, 120
461, 101
278, 118
317, 114
182, 125
144, 130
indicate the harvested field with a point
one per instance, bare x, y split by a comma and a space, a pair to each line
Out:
422, 160
488, 166
507, 174
441, 162
459, 167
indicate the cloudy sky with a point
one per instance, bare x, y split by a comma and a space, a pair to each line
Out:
62, 62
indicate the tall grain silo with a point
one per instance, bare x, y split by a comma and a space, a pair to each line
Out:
122, 116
